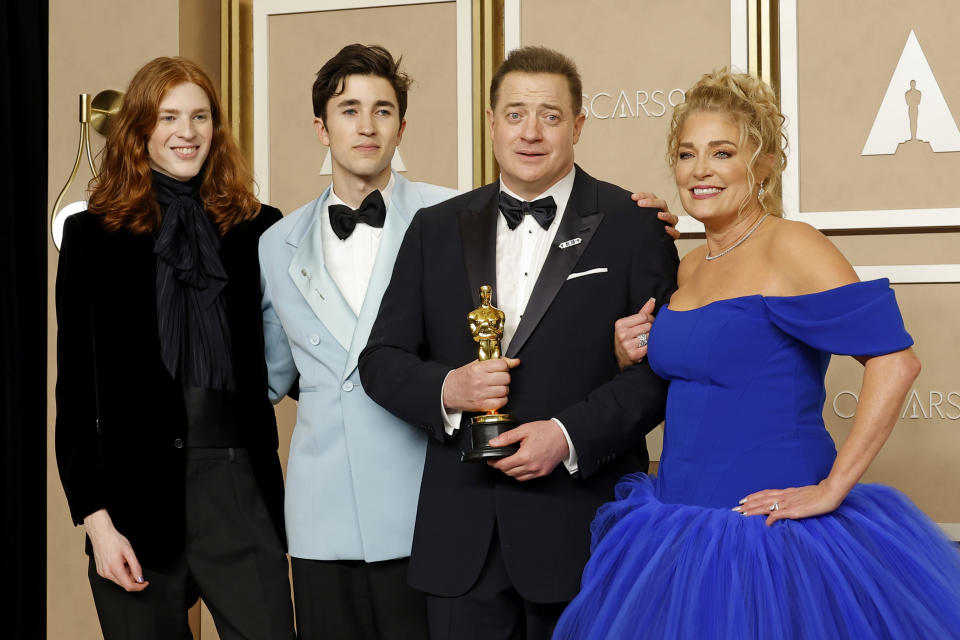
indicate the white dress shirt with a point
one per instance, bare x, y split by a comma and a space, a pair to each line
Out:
521, 253
350, 262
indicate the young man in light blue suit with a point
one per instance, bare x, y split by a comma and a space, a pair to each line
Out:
354, 469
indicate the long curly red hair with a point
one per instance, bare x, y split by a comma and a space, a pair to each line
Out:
123, 191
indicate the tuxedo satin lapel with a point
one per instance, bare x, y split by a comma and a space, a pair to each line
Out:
580, 220
399, 214
315, 284
478, 236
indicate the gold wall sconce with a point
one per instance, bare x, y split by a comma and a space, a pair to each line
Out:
97, 113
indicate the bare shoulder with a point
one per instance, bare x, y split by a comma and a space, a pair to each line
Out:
689, 263
806, 261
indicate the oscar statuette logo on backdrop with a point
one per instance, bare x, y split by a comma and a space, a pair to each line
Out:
913, 111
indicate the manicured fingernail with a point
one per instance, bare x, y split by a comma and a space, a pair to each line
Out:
737, 509
742, 501
139, 579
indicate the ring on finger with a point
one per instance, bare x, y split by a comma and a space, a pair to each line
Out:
775, 506
642, 340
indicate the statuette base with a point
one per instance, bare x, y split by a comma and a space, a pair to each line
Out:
483, 429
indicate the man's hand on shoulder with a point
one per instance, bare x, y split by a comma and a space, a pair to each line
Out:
479, 386
644, 199
542, 447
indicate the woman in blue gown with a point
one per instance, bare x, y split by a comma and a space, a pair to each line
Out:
745, 342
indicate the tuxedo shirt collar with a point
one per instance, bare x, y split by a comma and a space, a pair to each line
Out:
386, 192
350, 261
520, 255
560, 192
332, 198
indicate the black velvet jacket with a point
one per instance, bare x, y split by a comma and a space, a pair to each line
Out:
121, 426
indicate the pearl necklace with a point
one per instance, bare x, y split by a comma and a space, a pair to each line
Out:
739, 242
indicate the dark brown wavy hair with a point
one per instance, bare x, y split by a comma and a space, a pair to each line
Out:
359, 60
123, 192
535, 59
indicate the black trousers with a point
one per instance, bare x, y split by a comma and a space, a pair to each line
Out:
492, 609
233, 559
357, 600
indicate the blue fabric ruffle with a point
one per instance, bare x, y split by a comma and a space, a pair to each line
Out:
874, 568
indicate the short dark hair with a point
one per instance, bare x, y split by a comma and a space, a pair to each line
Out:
539, 60
358, 60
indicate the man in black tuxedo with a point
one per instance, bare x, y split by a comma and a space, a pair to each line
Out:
499, 549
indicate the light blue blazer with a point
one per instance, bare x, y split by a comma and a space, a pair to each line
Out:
353, 476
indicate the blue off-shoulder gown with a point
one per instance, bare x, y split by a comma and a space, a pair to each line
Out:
744, 413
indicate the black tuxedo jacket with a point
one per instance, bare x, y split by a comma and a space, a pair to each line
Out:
121, 425
568, 371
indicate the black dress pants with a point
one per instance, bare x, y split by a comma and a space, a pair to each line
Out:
232, 558
357, 600
492, 609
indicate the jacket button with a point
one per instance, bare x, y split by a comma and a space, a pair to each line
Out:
348, 386
178, 443
314, 339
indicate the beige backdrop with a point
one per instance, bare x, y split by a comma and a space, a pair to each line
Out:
842, 81
841, 84
845, 64
631, 46
921, 456
301, 43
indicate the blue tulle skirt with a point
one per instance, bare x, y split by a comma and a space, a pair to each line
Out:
875, 568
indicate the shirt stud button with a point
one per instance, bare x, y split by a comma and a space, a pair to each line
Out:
314, 339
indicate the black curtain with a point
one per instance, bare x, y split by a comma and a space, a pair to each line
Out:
23, 315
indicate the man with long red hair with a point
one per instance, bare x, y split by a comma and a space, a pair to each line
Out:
166, 442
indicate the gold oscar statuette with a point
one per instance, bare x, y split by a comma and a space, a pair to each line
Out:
486, 324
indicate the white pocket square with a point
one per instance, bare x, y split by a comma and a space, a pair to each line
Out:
580, 274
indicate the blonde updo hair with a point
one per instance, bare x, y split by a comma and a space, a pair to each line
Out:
752, 106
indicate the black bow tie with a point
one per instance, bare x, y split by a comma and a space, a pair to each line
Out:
542, 210
344, 220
